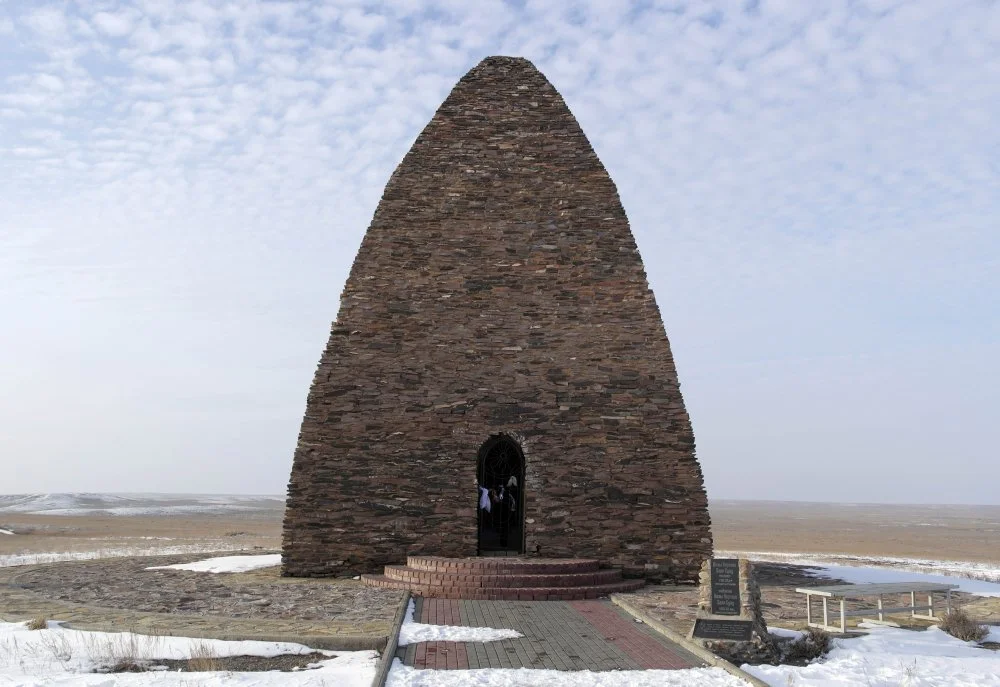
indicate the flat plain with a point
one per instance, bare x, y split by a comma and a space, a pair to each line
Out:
99, 526
935, 532
784, 537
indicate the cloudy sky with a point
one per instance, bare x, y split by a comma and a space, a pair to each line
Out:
814, 186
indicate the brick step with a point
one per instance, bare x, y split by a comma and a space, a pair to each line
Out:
506, 593
501, 579
488, 566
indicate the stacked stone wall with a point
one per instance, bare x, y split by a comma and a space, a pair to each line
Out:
498, 290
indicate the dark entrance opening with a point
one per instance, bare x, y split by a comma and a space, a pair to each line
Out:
500, 504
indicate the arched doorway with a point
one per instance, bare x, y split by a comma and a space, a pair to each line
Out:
500, 504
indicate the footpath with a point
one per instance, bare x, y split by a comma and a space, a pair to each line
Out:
558, 635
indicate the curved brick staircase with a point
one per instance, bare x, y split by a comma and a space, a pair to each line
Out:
507, 579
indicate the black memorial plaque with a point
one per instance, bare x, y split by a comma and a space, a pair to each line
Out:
725, 586
731, 630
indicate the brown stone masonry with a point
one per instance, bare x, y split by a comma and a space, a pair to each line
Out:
498, 290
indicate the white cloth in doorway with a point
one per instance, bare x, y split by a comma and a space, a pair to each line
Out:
484, 499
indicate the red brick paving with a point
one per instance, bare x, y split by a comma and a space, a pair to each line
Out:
441, 656
622, 631
440, 612
558, 635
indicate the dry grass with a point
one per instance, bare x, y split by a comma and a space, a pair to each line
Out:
122, 652
959, 625
811, 645
38, 623
59, 647
203, 658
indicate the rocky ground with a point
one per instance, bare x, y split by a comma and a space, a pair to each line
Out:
286, 662
262, 594
676, 605
119, 593
116, 593
123, 588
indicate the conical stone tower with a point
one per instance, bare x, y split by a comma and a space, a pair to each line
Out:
497, 331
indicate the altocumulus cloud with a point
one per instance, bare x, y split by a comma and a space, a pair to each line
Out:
815, 188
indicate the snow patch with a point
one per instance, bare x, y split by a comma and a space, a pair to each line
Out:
982, 579
893, 656
11, 559
226, 564
136, 504
414, 633
6, 532
404, 676
59, 656
861, 575
785, 634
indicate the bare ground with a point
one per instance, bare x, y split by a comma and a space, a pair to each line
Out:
959, 533
676, 605
111, 535
262, 598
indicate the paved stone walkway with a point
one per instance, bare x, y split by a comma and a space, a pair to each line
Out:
558, 635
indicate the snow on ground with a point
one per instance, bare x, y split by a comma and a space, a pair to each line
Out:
862, 575
7, 560
6, 532
226, 564
219, 509
889, 656
404, 676
973, 570
80, 503
58, 656
785, 634
413, 633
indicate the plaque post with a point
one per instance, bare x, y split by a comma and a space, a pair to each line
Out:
729, 610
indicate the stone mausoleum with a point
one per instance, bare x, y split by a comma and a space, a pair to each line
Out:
498, 381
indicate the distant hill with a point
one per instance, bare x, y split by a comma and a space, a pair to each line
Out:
138, 504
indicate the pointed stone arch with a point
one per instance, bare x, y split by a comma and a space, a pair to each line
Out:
500, 476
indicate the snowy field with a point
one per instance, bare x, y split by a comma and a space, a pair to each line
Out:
51, 528
74, 504
57, 656
886, 657
891, 657
144, 549
865, 575
982, 579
